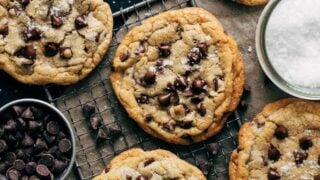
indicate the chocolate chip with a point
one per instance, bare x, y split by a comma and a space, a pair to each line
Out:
149, 78
148, 162
102, 135
273, 153
64, 145
22, 125
35, 126
281, 132
42, 170
59, 166
181, 83
215, 84
46, 159
188, 92
170, 88
128, 177
34, 177
205, 167
10, 126
25, 2
141, 48
61, 135
213, 148
50, 139
88, 110
28, 151
107, 169
198, 98
148, 118
185, 124
56, 21
27, 141
316, 177
19, 165
95, 122
31, 168
40, 145
203, 47
4, 30
194, 56
30, 52
65, 52
300, 156
27, 114
51, 49
20, 154
273, 175
3, 146
3, 167
53, 127
53, 149
319, 160
1, 131
142, 177
113, 132
10, 158
10, 139
17, 110
13, 174
198, 85
80, 22
164, 99
124, 56
32, 34
169, 127
305, 143
202, 110
143, 99
164, 50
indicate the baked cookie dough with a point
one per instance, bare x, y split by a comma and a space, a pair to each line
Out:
282, 142
252, 2
179, 75
53, 41
137, 164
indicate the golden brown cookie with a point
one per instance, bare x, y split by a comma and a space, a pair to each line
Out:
157, 164
53, 41
282, 142
252, 2
179, 75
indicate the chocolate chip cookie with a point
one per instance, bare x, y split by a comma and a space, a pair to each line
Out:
252, 2
53, 41
179, 75
282, 142
143, 165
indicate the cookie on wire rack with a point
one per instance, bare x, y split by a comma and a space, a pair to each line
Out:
252, 2
53, 41
142, 165
282, 142
179, 75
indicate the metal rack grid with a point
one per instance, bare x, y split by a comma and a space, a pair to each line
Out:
92, 158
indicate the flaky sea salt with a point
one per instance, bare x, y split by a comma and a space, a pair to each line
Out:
293, 42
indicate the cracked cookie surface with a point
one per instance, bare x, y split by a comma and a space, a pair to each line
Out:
53, 41
282, 142
143, 165
179, 75
252, 2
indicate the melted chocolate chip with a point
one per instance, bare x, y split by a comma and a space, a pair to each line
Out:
198, 98
149, 78
32, 34
169, 127
124, 56
148, 118
148, 162
170, 88
281, 132
205, 167
194, 56
202, 110
27, 51
319, 160
203, 47
188, 92
316, 177
141, 48
273, 153
164, 50
128, 177
300, 156
143, 99
185, 124
215, 84
164, 99
56, 21
213, 148
80, 22
273, 175
181, 83
4, 30
198, 85
51, 49
24, 2
305, 143
142, 177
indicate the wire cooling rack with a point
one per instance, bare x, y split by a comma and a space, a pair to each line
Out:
92, 157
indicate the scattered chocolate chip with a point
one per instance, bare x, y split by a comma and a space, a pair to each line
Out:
185, 124
113, 132
4, 30
88, 110
203, 47
202, 110
273, 175
95, 122
10, 158
53, 127
80, 22
25, 2
205, 167
59, 166
213, 148
65, 52
281, 132
198, 85
3, 167
300, 156
3, 146
142, 177
164, 99
31, 168
124, 56
56, 21
51, 49
31, 34
181, 83
10, 126
42, 170
305, 143
46, 159
40, 145
13, 174
198, 98
149, 78
273, 153
19, 165
64, 145
148, 162
194, 56
35, 126
27, 141
102, 135
143, 99
164, 50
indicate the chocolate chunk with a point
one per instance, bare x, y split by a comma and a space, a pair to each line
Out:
56, 21
64, 145
194, 56
13, 174
142, 177
59, 166
51, 49
65, 52
46, 159
185, 124
80, 22
27, 141
124, 56
181, 83
95, 122
31, 168
203, 47
10, 157
143, 99
164, 99
198, 98
113, 132
42, 170
281, 132
198, 85
32, 34
20, 154
4, 30
149, 78
273, 175
305, 143
215, 84
22, 125
35, 126
3, 167
53, 127
148, 162
202, 110
188, 92
102, 135
40, 145
88, 110
273, 153
213, 148
205, 167
10, 126
300, 156
24, 2
19, 165
3, 146
316, 177
164, 50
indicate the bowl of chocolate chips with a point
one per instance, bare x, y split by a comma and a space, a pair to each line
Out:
36, 141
